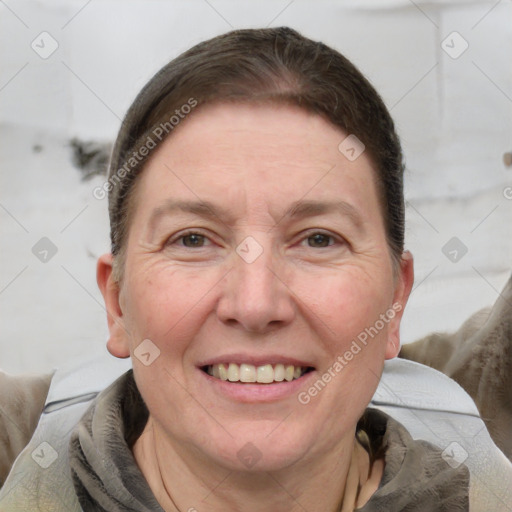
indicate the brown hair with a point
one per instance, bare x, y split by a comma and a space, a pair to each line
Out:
254, 65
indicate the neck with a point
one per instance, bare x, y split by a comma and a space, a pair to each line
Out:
182, 483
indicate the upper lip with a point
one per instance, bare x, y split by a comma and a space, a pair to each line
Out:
258, 360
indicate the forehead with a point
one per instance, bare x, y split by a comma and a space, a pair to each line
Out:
232, 153
233, 131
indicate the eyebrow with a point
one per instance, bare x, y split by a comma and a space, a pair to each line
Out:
203, 209
297, 210
302, 209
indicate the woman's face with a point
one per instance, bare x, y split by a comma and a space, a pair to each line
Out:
255, 241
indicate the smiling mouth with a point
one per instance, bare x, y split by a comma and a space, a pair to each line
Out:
248, 373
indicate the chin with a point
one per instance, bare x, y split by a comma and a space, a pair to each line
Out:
260, 452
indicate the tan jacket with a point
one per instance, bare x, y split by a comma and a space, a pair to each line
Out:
22, 400
478, 357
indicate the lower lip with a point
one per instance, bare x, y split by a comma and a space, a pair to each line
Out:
253, 392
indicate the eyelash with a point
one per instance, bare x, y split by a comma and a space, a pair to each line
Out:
307, 236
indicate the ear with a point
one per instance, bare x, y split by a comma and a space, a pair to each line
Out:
403, 287
117, 343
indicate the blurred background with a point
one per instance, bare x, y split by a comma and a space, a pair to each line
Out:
69, 69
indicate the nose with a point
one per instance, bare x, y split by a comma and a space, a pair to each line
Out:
255, 295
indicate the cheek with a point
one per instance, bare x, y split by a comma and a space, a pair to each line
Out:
167, 309
349, 311
346, 302
165, 305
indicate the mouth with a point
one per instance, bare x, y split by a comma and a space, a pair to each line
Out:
249, 373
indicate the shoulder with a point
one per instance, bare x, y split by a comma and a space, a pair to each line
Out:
416, 473
43, 464
22, 399
434, 408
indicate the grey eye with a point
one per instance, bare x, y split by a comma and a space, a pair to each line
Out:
193, 240
319, 240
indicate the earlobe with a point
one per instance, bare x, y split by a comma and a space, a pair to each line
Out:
117, 343
403, 287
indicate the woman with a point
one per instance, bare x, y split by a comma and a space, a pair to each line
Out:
257, 281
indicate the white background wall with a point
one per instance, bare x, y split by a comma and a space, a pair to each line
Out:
454, 116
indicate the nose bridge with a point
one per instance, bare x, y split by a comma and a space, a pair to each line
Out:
255, 278
255, 297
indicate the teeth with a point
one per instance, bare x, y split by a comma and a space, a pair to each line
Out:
279, 372
233, 372
249, 373
265, 374
223, 371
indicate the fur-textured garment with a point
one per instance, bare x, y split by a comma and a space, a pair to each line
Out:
21, 403
107, 478
479, 357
